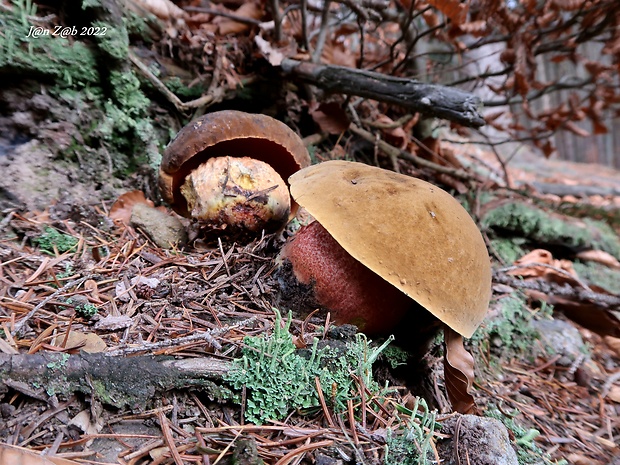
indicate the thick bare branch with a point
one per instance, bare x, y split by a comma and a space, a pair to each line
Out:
429, 99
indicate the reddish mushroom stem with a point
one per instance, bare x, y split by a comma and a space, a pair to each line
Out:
322, 272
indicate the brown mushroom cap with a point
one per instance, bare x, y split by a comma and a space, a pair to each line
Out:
413, 234
228, 133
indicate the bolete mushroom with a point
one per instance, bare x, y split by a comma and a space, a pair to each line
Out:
227, 169
379, 240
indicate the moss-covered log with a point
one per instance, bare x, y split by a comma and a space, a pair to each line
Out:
116, 381
512, 218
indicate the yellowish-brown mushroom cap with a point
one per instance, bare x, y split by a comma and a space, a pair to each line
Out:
228, 133
413, 234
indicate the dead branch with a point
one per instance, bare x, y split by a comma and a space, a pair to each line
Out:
429, 99
116, 381
604, 301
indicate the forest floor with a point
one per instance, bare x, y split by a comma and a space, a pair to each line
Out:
116, 350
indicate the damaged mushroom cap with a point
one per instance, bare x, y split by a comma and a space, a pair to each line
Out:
413, 234
228, 133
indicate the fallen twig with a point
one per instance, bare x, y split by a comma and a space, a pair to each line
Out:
429, 99
604, 301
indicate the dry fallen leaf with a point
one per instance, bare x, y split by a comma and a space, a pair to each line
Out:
613, 343
88, 342
121, 209
579, 459
458, 372
249, 10
614, 394
163, 9
532, 265
330, 117
394, 135
599, 256
15, 455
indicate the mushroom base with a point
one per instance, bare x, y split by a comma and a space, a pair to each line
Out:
316, 272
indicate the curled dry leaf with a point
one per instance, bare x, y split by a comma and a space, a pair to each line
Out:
393, 135
121, 209
88, 342
249, 10
335, 53
613, 343
532, 265
15, 455
163, 9
330, 117
599, 256
614, 394
453, 9
458, 372
273, 56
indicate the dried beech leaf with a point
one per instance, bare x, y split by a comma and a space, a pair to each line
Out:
614, 394
599, 256
330, 117
121, 209
88, 342
271, 54
336, 54
458, 372
15, 455
568, 5
530, 266
589, 315
248, 10
395, 135
475, 28
163, 9
453, 9
613, 343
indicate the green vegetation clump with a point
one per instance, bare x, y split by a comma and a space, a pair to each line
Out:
508, 249
539, 226
112, 125
413, 447
51, 240
509, 332
87, 310
599, 275
528, 453
278, 378
71, 63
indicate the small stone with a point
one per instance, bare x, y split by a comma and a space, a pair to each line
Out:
164, 230
484, 440
558, 337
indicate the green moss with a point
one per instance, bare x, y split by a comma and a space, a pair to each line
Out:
395, 356
59, 363
111, 111
178, 88
86, 310
508, 249
52, 240
528, 453
279, 379
413, 445
508, 332
600, 275
69, 62
540, 226
115, 42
